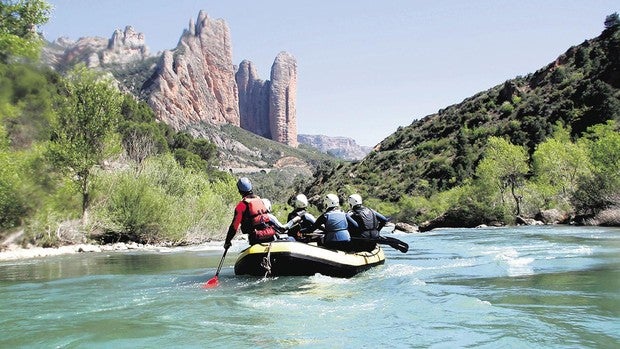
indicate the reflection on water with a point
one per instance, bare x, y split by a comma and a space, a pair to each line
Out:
538, 287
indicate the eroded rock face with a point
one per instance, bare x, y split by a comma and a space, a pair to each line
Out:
123, 47
253, 100
340, 147
282, 97
196, 82
267, 108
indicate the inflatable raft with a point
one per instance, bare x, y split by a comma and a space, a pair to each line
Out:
298, 258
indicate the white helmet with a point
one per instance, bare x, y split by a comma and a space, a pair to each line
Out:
301, 201
331, 200
267, 204
355, 199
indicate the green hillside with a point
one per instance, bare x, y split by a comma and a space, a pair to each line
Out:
441, 152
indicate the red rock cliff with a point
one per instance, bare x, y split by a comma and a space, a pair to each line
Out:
195, 83
267, 107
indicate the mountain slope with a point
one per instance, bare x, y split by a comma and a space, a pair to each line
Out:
341, 147
581, 88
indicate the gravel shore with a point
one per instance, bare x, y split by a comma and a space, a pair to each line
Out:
14, 252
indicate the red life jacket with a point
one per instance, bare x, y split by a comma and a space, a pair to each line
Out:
256, 221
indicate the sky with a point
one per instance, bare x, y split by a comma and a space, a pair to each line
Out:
364, 67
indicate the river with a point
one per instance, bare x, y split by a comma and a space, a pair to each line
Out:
517, 287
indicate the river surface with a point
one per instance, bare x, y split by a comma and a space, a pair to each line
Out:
519, 287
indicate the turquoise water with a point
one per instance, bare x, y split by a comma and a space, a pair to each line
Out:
533, 287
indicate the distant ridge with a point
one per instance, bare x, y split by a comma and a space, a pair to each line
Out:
339, 147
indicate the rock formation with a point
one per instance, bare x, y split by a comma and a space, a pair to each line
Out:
123, 47
340, 147
267, 108
196, 82
282, 97
253, 100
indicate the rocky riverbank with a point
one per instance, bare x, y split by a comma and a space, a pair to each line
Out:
14, 251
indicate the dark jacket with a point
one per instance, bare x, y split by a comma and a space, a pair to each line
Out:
368, 222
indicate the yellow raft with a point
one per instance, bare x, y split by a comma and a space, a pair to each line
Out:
298, 258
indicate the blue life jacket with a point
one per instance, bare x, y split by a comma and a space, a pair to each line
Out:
336, 226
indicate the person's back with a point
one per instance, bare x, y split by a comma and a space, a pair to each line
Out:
368, 222
336, 226
251, 215
306, 219
334, 223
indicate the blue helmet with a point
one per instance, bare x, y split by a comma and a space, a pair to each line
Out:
244, 185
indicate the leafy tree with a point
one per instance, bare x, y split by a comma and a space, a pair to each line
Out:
503, 168
601, 190
189, 160
88, 115
182, 140
18, 22
136, 111
26, 95
205, 149
163, 202
559, 163
141, 140
12, 205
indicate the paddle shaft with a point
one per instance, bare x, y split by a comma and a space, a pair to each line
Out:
219, 267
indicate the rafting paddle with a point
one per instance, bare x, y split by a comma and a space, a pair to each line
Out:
393, 242
214, 281
383, 240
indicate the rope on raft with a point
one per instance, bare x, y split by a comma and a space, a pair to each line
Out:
266, 263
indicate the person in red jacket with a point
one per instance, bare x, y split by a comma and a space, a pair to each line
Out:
251, 215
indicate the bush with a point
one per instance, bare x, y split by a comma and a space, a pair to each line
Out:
164, 203
12, 205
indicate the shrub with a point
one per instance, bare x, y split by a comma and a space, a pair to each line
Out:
164, 203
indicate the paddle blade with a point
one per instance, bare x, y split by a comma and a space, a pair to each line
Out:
213, 282
395, 243
402, 247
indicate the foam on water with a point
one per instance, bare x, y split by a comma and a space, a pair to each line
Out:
453, 289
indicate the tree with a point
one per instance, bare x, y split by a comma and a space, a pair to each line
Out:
18, 23
142, 140
600, 190
504, 166
89, 112
559, 163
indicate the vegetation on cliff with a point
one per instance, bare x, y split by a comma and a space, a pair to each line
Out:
79, 158
455, 163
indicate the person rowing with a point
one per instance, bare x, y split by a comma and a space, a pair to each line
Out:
334, 223
300, 204
368, 222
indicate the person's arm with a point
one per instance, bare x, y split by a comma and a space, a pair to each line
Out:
234, 225
353, 226
317, 224
382, 220
292, 222
276, 223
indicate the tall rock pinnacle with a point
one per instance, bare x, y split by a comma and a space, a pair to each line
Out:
195, 83
282, 96
267, 108
253, 100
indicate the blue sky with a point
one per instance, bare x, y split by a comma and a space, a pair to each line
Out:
365, 67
